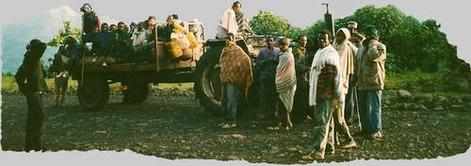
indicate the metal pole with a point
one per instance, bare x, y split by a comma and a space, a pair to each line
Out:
329, 19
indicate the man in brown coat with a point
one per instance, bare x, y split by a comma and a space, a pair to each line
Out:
371, 75
236, 77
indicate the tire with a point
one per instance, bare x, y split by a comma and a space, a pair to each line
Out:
208, 87
137, 92
94, 93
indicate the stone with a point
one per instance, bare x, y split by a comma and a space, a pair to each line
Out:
422, 107
274, 150
440, 99
424, 98
438, 108
238, 136
232, 157
457, 107
404, 93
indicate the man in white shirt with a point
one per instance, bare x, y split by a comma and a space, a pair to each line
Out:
228, 23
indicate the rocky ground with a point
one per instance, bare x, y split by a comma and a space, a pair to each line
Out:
171, 124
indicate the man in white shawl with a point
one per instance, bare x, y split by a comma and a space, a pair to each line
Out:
347, 53
228, 23
324, 91
285, 81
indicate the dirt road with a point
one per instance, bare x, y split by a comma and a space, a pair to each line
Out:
173, 125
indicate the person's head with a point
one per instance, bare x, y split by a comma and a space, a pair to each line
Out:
170, 19
284, 44
324, 38
270, 42
113, 28
37, 47
105, 27
132, 25
86, 8
230, 37
342, 35
151, 21
352, 26
303, 41
175, 16
122, 27
236, 6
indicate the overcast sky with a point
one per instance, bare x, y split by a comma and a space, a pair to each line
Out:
299, 12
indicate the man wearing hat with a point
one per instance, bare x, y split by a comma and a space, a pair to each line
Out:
371, 74
351, 103
30, 80
356, 37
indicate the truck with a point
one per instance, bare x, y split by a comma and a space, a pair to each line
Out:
201, 68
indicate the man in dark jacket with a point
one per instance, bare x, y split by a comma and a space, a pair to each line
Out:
91, 22
30, 80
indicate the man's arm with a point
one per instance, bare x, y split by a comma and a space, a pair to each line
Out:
377, 52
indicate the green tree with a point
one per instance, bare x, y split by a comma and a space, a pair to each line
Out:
66, 31
411, 44
266, 23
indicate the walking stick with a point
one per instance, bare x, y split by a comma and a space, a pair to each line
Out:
356, 107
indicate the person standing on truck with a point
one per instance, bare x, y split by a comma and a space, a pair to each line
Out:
30, 80
236, 77
91, 23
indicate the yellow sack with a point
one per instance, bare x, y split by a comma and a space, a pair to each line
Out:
192, 39
174, 49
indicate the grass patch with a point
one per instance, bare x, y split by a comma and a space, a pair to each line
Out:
9, 85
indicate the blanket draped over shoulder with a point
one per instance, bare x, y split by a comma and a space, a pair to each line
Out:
236, 67
286, 79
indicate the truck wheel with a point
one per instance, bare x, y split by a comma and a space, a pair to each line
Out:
136, 92
94, 93
208, 88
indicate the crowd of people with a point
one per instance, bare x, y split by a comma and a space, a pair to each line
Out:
343, 78
339, 82
136, 42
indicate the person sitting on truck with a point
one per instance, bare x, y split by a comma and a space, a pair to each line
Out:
228, 23
105, 27
139, 42
113, 28
123, 42
103, 42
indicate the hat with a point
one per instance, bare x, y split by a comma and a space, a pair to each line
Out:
352, 24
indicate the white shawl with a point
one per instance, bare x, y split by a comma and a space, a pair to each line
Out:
347, 52
228, 22
327, 55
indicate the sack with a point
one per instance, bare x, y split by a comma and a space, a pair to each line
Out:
174, 49
192, 40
